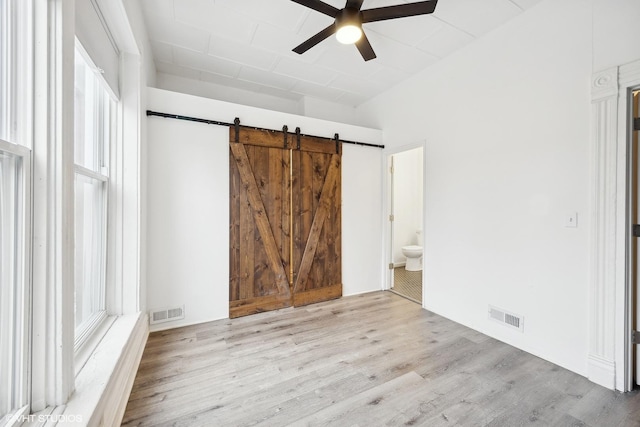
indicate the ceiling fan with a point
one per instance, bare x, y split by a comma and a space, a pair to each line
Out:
348, 22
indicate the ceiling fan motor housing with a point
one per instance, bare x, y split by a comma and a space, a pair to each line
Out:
348, 26
348, 16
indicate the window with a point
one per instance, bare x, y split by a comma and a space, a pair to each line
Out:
16, 104
92, 135
14, 277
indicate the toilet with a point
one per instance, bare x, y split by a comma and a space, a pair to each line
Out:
414, 254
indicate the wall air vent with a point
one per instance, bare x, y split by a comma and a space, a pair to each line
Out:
499, 315
166, 315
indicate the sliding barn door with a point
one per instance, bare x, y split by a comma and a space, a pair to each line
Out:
259, 222
285, 221
317, 255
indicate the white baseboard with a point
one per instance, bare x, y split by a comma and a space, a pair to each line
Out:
601, 371
158, 327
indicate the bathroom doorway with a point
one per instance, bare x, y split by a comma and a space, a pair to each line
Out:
405, 223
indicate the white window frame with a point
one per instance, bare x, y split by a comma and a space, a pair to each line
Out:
60, 383
21, 390
87, 337
16, 139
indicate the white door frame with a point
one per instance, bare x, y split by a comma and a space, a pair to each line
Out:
386, 206
610, 293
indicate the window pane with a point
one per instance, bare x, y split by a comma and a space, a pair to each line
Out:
89, 249
92, 135
16, 81
91, 117
13, 350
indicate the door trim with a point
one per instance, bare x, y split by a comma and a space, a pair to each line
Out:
608, 360
633, 244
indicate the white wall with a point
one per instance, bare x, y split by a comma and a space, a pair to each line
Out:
327, 110
407, 200
226, 93
188, 193
139, 29
506, 124
263, 97
616, 29
362, 261
188, 219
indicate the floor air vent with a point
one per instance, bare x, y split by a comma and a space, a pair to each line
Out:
499, 315
166, 315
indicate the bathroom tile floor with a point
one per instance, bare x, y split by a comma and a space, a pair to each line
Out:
408, 284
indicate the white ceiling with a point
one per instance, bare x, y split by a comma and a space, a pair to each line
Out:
246, 44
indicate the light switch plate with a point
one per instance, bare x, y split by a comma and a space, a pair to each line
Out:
571, 220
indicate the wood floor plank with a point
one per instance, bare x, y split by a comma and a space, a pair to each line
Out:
368, 360
365, 405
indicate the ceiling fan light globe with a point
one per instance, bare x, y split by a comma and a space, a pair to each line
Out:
349, 34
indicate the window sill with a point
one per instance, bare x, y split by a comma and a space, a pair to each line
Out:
103, 384
88, 346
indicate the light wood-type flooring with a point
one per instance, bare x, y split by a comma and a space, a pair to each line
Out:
370, 360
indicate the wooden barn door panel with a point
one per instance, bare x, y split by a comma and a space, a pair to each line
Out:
259, 223
316, 196
274, 189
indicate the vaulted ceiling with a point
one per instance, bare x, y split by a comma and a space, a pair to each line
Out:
246, 44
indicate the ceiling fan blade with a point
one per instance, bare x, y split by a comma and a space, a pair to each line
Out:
365, 49
399, 11
353, 4
319, 6
314, 40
